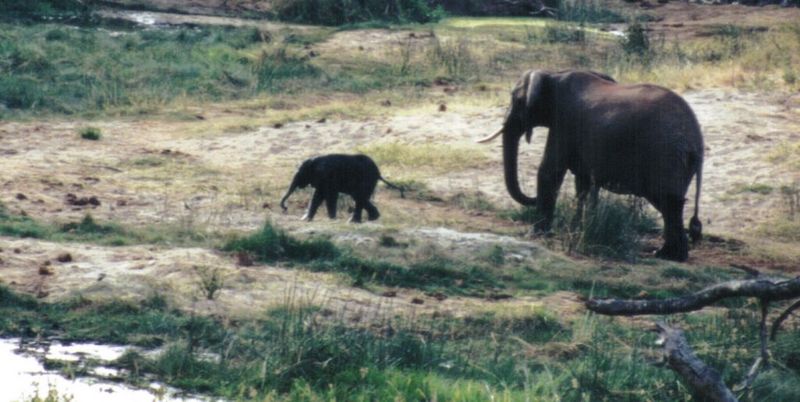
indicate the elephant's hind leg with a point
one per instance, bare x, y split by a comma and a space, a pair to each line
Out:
356, 218
372, 211
676, 245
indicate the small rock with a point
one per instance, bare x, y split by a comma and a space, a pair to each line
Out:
41, 294
389, 293
101, 277
417, 300
21, 197
438, 296
442, 107
386, 103
322, 120
45, 270
17, 251
277, 125
64, 257
499, 296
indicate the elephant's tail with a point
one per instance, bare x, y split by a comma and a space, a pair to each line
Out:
695, 226
398, 188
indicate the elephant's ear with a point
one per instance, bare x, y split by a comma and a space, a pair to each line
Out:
534, 88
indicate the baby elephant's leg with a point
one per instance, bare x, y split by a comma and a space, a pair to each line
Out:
356, 218
330, 202
372, 211
316, 201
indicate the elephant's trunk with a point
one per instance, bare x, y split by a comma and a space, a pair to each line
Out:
286, 196
510, 154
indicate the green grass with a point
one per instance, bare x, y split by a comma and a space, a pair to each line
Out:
301, 352
272, 244
436, 274
52, 68
613, 228
90, 133
89, 230
343, 12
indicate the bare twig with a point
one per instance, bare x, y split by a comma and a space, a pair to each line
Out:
781, 318
762, 331
766, 289
763, 358
703, 380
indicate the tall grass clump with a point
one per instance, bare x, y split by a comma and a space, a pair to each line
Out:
272, 244
90, 133
611, 228
20, 225
586, 11
341, 12
453, 57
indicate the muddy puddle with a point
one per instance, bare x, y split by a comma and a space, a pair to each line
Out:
23, 374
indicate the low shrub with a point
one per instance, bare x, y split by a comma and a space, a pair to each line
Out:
271, 244
90, 133
612, 228
341, 12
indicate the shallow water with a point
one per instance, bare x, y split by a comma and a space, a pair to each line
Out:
23, 375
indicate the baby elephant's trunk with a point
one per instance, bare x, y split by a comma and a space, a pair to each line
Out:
285, 197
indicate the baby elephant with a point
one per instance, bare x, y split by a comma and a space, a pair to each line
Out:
356, 175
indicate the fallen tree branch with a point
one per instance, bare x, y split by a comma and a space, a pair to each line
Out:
766, 289
704, 380
781, 318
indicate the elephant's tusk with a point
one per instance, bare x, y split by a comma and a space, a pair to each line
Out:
491, 137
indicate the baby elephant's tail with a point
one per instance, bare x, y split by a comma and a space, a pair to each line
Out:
398, 188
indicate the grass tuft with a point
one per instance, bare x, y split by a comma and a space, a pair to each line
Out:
90, 133
271, 244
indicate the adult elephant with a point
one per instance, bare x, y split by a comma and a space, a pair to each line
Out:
629, 139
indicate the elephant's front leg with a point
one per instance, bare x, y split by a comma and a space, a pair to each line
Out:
548, 182
331, 197
316, 201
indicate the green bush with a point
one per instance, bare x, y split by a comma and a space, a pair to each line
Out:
612, 228
271, 244
341, 12
586, 11
90, 133
636, 40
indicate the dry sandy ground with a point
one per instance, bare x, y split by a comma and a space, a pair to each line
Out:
194, 175
146, 172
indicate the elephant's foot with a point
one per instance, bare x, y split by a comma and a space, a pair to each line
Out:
673, 253
354, 219
374, 216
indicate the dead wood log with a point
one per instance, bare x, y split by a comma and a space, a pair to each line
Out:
766, 289
704, 380
781, 318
